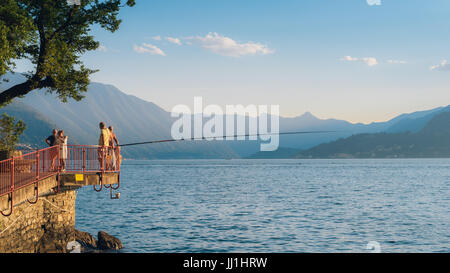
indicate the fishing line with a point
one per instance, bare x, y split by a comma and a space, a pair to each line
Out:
221, 137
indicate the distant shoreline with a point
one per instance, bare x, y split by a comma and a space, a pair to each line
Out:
347, 158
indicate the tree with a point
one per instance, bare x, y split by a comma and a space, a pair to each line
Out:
10, 132
53, 35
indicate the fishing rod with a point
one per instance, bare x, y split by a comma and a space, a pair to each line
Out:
216, 137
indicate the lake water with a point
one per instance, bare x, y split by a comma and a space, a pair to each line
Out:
275, 206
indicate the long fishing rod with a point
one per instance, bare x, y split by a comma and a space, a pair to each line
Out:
217, 137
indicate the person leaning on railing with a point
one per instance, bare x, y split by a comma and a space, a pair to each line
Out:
104, 143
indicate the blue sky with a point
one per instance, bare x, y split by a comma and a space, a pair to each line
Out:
344, 59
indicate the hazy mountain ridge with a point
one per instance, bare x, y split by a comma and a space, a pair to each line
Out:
38, 125
411, 122
431, 141
136, 120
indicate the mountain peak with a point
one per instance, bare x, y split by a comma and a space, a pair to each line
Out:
308, 115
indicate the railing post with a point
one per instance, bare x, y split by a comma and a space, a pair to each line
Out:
43, 162
103, 158
57, 157
12, 175
84, 159
11, 194
37, 164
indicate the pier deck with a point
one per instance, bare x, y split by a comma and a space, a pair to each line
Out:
40, 173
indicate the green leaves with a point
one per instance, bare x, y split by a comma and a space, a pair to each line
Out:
53, 35
10, 132
16, 31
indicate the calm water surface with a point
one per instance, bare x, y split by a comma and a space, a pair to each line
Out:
275, 206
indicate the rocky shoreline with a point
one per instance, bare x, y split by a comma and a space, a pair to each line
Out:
104, 242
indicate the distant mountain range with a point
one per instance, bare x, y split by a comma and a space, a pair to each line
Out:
136, 120
431, 141
412, 122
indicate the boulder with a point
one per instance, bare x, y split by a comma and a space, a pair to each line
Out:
108, 242
85, 239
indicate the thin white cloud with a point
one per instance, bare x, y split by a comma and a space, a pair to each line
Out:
443, 66
149, 48
174, 40
374, 2
228, 47
396, 62
156, 38
349, 59
370, 61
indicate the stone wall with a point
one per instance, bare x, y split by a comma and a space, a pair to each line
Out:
43, 227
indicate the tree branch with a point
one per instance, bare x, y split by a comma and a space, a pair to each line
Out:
24, 88
66, 24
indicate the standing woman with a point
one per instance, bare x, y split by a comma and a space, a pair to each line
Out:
61, 140
116, 149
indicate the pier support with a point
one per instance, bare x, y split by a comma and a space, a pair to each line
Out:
48, 225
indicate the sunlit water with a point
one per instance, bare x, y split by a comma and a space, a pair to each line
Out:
275, 206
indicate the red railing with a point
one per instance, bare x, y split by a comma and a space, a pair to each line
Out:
90, 158
28, 169
21, 171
